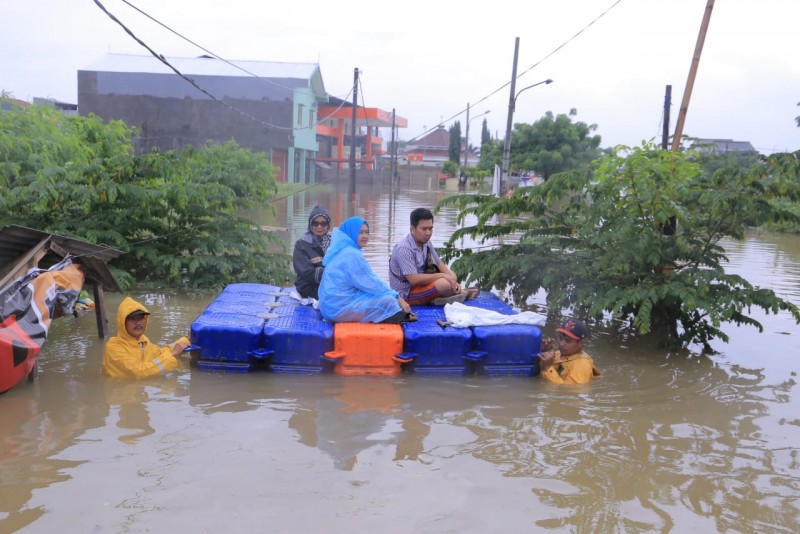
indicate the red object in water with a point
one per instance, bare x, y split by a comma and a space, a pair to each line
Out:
18, 353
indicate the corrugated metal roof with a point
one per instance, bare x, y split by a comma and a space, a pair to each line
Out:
202, 66
16, 241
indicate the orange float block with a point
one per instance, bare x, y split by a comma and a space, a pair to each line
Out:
367, 349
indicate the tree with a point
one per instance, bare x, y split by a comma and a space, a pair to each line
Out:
594, 242
485, 135
553, 144
175, 214
454, 153
797, 119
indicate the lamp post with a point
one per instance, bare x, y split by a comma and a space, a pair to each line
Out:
466, 135
512, 100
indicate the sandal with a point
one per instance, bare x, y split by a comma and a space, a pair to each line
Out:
411, 317
473, 293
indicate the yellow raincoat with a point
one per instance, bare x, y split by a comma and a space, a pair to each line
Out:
128, 357
574, 369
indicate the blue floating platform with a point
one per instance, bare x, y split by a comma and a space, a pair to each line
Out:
297, 342
258, 326
436, 350
228, 337
506, 350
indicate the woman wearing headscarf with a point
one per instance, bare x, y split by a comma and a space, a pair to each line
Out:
350, 291
308, 253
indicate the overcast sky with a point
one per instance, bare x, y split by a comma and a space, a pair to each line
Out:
429, 59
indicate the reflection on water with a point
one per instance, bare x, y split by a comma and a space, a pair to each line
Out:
662, 442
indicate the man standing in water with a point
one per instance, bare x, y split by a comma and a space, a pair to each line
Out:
130, 354
569, 364
417, 272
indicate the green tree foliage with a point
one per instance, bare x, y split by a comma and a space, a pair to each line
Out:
449, 168
174, 214
797, 119
595, 242
491, 155
454, 151
485, 135
553, 144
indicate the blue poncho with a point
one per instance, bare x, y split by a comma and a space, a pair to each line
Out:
350, 291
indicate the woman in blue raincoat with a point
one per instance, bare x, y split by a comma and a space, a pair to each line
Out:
350, 291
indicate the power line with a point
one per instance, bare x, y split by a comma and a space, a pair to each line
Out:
562, 45
194, 84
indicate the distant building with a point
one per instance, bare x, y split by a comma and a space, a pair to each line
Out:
64, 107
11, 104
435, 148
333, 133
723, 146
269, 107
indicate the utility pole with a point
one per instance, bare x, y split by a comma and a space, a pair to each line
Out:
393, 154
353, 137
507, 143
665, 129
687, 93
466, 138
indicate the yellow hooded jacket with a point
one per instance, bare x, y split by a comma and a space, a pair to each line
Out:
127, 357
574, 369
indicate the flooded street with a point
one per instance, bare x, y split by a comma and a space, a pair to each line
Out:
662, 442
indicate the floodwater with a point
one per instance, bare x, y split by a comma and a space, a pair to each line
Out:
662, 442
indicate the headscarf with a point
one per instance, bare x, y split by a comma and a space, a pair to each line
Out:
324, 240
352, 228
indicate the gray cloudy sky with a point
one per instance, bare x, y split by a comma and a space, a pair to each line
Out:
428, 59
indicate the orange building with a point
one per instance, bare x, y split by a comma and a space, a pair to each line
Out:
334, 133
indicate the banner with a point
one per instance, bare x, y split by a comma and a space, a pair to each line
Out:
27, 307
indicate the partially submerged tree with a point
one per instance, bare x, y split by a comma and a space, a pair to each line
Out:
553, 144
595, 242
175, 214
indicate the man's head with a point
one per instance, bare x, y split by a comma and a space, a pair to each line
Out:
136, 323
421, 225
571, 337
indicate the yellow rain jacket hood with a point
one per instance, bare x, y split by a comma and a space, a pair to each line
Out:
128, 357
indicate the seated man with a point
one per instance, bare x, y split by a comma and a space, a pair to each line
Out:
417, 272
130, 354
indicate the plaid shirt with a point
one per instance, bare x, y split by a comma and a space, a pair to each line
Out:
407, 258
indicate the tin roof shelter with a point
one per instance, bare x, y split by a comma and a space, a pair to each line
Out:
24, 248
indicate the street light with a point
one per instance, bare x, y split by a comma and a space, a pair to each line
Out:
507, 143
512, 100
466, 135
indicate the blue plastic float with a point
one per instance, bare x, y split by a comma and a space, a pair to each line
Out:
255, 327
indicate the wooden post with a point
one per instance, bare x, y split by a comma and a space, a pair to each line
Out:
100, 310
687, 93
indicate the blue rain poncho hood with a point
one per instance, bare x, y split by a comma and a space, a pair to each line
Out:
350, 291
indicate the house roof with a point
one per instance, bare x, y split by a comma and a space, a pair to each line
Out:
204, 66
304, 74
16, 241
437, 139
723, 145
342, 109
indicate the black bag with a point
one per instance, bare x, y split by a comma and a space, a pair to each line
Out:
430, 267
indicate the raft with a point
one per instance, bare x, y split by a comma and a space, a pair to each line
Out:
262, 328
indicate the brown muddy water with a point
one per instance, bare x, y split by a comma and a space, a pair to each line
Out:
662, 442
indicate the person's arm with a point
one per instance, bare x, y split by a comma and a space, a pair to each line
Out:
405, 306
546, 369
132, 360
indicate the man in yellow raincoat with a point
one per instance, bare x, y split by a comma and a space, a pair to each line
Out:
570, 364
130, 354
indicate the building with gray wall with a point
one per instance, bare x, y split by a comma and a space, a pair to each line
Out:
269, 107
